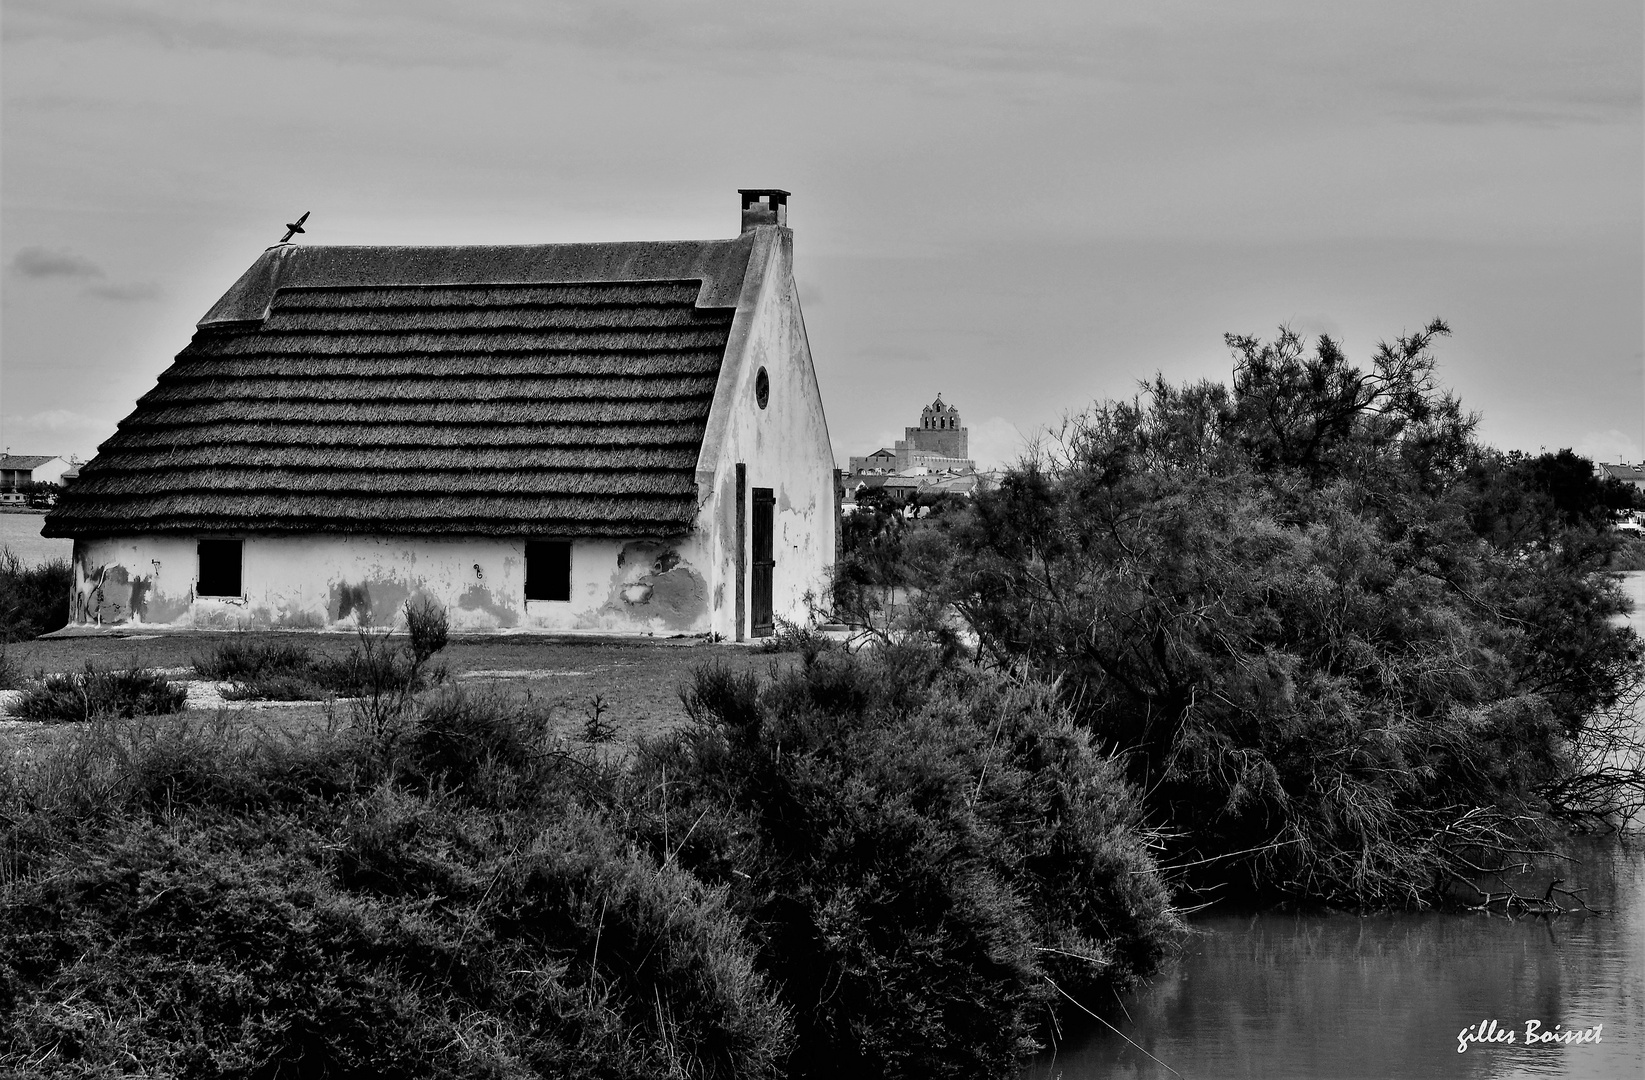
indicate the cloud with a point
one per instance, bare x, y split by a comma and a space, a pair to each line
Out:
134, 291
1455, 64
342, 32
39, 263
57, 420
1611, 446
996, 443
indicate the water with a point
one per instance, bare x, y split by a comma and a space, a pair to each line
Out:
21, 533
1305, 997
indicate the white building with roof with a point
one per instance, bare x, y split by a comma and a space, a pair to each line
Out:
612, 438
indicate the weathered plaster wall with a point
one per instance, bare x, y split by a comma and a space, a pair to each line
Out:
640, 586
785, 445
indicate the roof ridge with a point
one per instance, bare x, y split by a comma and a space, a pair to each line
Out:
719, 264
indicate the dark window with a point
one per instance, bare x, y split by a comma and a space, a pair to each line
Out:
548, 570
219, 568
762, 388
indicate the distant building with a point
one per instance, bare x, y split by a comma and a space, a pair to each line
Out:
17, 470
1628, 474
618, 438
939, 444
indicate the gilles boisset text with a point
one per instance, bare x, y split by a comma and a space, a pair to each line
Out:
1487, 1031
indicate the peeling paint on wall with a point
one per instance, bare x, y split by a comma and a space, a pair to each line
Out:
350, 600
388, 600
289, 619
139, 597
478, 598
107, 594
654, 586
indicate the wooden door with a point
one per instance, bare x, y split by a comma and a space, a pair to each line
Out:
762, 562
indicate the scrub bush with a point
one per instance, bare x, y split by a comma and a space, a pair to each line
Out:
871, 867
920, 853
795, 638
194, 898
1350, 654
11, 675
484, 746
271, 669
33, 600
426, 627
99, 692
250, 656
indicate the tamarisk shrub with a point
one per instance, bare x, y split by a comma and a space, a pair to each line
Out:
922, 854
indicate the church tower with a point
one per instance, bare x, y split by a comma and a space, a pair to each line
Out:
940, 431
939, 445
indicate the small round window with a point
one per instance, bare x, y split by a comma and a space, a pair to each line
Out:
762, 388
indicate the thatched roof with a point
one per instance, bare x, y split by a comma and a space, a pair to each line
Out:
550, 391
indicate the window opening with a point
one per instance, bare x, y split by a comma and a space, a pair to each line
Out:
548, 570
219, 568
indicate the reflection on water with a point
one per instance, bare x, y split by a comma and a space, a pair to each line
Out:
1315, 996
1308, 997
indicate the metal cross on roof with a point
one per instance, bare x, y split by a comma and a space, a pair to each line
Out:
294, 227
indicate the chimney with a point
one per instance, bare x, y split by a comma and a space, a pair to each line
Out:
764, 206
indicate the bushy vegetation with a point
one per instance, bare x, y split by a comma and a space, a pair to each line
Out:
98, 692
869, 862
41, 493
922, 855
270, 668
1629, 555
179, 895
11, 673
795, 638
33, 600
1349, 653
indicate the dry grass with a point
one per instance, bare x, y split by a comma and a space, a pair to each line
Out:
636, 682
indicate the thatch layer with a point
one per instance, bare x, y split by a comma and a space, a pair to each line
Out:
478, 413
447, 342
524, 317
339, 512
622, 295
538, 409
226, 435
622, 365
391, 482
153, 459
470, 389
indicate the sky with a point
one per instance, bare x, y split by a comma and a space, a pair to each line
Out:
1026, 207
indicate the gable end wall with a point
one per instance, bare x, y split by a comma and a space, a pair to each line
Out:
785, 446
